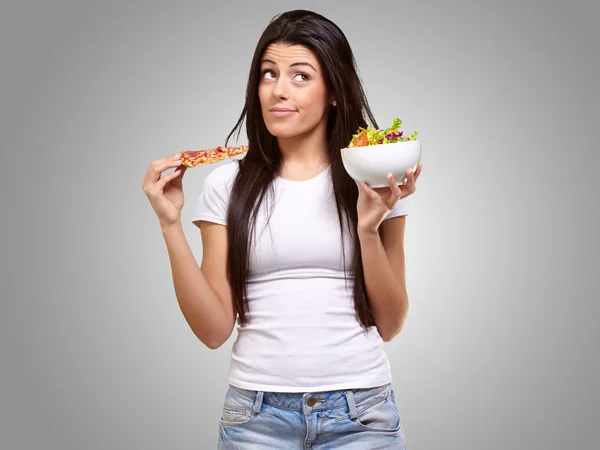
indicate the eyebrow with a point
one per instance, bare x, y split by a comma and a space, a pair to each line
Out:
292, 65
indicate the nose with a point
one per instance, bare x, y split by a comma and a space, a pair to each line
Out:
280, 89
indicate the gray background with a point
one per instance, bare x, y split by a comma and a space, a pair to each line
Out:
498, 351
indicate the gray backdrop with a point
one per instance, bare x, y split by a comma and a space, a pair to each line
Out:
498, 351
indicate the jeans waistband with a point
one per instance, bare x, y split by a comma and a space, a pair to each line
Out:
351, 399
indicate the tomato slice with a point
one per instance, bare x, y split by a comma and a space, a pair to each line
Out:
361, 141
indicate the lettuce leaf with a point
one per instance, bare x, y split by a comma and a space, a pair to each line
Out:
388, 136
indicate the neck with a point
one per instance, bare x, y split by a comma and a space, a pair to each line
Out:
306, 150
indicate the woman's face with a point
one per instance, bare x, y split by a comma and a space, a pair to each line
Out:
291, 78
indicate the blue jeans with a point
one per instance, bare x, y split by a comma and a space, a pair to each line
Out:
356, 419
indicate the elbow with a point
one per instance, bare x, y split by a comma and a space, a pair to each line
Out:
213, 342
388, 331
389, 335
213, 345
214, 337
392, 329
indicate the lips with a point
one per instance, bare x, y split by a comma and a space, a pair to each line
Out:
282, 112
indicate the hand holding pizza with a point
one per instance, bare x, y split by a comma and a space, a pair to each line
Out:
374, 204
165, 193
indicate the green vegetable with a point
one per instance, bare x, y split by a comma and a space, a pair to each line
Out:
371, 136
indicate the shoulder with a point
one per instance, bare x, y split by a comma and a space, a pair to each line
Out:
223, 173
221, 177
214, 196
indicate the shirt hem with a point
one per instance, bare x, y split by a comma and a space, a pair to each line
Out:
391, 215
358, 384
209, 219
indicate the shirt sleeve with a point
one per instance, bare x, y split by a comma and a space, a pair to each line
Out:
399, 209
213, 200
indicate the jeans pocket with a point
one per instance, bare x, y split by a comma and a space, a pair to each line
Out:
382, 416
237, 410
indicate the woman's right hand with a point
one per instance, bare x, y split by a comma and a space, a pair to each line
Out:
165, 193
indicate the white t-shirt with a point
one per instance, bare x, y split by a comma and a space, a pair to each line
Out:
302, 334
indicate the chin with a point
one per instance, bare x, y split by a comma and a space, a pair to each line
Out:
282, 130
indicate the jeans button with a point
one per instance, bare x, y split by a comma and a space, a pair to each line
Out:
311, 401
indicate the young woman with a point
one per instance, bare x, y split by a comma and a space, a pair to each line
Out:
309, 263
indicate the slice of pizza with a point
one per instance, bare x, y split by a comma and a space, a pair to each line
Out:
236, 151
195, 158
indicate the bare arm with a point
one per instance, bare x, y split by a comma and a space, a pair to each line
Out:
385, 277
203, 294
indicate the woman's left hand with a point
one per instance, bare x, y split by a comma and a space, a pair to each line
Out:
374, 204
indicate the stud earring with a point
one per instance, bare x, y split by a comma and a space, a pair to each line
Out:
334, 103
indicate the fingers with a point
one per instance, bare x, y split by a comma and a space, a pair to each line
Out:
410, 182
370, 192
396, 192
153, 174
411, 179
160, 165
178, 179
418, 171
160, 184
413, 176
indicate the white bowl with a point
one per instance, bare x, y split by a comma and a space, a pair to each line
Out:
372, 163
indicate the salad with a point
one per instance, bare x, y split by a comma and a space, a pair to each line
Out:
371, 136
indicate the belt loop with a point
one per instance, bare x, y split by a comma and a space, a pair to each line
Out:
351, 404
258, 402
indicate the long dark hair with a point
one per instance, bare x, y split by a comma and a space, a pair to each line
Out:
260, 164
